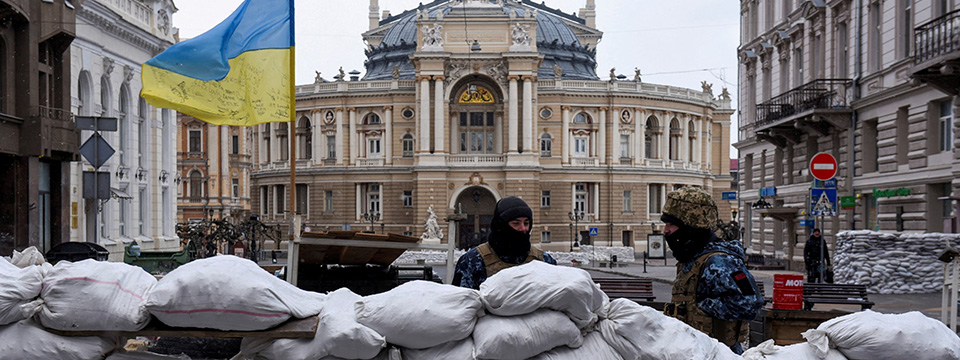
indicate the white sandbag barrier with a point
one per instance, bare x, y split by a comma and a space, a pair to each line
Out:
523, 336
29, 256
338, 334
537, 285
767, 350
593, 348
144, 355
95, 295
869, 335
19, 289
460, 350
229, 293
421, 314
27, 340
889, 263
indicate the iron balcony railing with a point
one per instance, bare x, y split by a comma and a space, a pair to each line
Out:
817, 94
938, 37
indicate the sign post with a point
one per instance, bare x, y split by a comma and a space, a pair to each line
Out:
96, 150
823, 198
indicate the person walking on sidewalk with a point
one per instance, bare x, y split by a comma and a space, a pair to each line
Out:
713, 291
507, 245
816, 257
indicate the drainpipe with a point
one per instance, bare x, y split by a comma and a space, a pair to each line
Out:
853, 115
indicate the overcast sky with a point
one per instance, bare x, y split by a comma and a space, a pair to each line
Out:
679, 43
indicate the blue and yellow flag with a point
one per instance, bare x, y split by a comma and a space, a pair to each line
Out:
238, 73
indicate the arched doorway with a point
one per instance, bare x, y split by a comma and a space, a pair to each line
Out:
478, 204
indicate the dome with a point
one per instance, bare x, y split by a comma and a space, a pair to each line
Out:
555, 40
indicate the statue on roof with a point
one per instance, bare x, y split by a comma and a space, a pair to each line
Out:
557, 71
707, 88
613, 74
317, 79
343, 75
725, 95
396, 72
636, 76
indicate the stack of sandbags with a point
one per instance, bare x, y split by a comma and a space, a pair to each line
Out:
460, 349
29, 256
891, 264
521, 290
767, 350
523, 336
27, 340
95, 295
144, 355
19, 289
869, 335
338, 334
229, 293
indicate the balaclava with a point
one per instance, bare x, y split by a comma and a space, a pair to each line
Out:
695, 213
504, 240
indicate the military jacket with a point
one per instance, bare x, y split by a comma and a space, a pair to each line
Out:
471, 271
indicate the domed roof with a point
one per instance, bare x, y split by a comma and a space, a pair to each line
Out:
555, 39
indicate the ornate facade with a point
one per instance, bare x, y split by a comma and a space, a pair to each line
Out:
457, 119
213, 171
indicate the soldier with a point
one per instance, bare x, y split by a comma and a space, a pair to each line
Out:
507, 245
713, 291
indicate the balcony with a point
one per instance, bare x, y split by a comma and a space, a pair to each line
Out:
466, 160
937, 53
584, 161
53, 134
817, 107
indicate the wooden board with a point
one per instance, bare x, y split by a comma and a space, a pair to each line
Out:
352, 255
292, 329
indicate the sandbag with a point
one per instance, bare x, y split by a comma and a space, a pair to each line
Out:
421, 314
593, 348
229, 293
338, 334
95, 295
19, 289
536, 285
144, 355
767, 350
523, 336
640, 331
29, 257
27, 340
460, 350
869, 335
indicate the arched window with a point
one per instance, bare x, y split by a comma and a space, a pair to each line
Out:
476, 132
582, 118
371, 119
124, 124
691, 140
546, 145
650, 144
84, 93
282, 133
305, 138
195, 185
143, 131
407, 143
675, 133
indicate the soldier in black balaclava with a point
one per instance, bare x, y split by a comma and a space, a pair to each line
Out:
508, 244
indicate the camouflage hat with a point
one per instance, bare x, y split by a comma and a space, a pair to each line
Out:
693, 206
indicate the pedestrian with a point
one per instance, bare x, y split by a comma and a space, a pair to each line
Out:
713, 291
507, 245
816, 257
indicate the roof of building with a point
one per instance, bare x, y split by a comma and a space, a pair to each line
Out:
555, 39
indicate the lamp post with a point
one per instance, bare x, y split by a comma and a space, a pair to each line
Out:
575, 217
372, 218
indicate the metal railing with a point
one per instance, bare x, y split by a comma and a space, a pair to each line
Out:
938, 37
817, 94
475, 160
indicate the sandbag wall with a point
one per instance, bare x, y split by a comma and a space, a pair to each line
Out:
889, 263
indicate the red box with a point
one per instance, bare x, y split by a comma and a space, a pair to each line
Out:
788, 292
788, 282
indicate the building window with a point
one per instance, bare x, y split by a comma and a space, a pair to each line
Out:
328, 201
747, 171
476, 132
302, 196
407, 198
870, 153
903, 132
581, 198
144, 211
654, 199
545, 237
875, 31
331, 147
236, 187
264, 200
546, 145
123, 214
767, 86
236, 144
371, 119
946, 191
373, 148
279, 201
580, 146
372, 198
843, 51
624, 146
195, 144
675, 133
946, 125
582, 118
545, 198
305, 138
650, 144
407, 144
196, 186
906, 28
786, 9
627, 201
797, 67
282, 131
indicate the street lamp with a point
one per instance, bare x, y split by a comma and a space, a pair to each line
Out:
575, 217
372, 218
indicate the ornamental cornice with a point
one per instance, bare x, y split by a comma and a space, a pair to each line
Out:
528, 78
513, 77
117, 27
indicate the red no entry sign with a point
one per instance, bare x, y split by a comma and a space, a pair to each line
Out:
823, 166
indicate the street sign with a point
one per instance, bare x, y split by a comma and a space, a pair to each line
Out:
823, 166
848, 202
96, 123
823, 202
103, 185
729, 195
832, 183
656, 249
807, 223
96, 150
594, 231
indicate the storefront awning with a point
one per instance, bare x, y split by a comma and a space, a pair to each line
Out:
119, 194
783, 213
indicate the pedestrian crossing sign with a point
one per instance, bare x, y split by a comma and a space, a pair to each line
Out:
823, 202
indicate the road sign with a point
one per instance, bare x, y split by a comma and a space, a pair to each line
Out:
832, 183
823, 166
808, 223
823, 202
96, 123
729, 195
594, 231
96, 150
102, 191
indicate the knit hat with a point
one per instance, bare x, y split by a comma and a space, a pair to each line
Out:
691, 206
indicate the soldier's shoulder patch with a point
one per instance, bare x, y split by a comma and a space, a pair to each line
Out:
743, 282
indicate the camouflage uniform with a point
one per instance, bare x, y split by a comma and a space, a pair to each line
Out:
471, 271
726, 295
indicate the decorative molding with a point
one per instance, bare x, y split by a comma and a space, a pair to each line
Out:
117, 27
513, 77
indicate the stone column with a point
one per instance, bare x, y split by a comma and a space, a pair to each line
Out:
602, 136
316, 130
639, 122
565, 135
454, 133
352, 136
388, 135
615, 137
438, 118
665, 136
513, 127
339, 139
683, 145
528, 130
498, 132
425, 113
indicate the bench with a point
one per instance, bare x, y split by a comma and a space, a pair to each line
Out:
635, 289
848, 294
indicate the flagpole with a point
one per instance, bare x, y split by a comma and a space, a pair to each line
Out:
294, 224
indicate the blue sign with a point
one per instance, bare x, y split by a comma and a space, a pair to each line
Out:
729, 195
808, 223
768, 191
594, 231
832, 183
823, 202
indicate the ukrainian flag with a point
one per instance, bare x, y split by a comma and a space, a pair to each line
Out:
238, 73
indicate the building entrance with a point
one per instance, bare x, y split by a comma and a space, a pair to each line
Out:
478, 204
